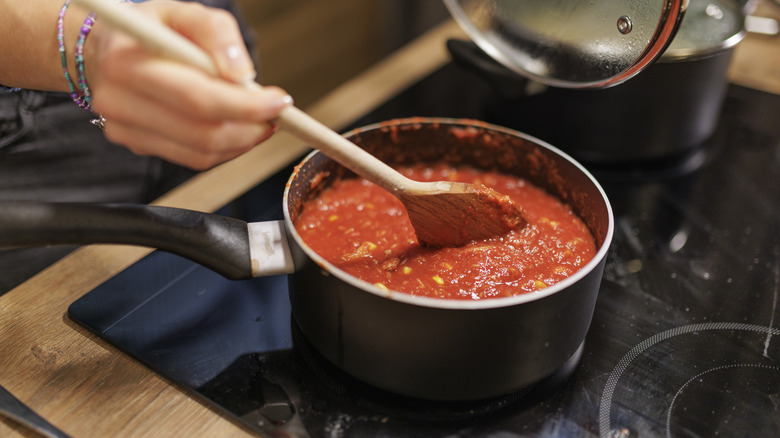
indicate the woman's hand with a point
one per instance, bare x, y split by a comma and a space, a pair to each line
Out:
160, 107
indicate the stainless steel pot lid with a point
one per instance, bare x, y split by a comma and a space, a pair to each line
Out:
571, 43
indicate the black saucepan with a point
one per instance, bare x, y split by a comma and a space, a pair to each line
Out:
662, 114
421, 347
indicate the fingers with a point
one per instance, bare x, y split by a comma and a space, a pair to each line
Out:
160, 107
145, 142
218, 33
184, 116
148, 126
190, 91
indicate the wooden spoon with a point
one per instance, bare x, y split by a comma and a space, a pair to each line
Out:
442, 213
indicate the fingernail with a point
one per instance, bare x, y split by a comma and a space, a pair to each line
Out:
247, 79
283, 102
287, 100
280, 100
237, 65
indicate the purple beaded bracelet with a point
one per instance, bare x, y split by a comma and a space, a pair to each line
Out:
74, 93
82, 96
85, 29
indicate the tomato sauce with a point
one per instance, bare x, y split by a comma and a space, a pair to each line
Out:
364, 231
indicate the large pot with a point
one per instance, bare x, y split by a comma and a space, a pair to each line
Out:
662, 113
421, 347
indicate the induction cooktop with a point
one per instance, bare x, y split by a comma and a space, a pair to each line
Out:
684, 341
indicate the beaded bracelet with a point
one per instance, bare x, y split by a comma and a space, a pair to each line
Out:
74, 94
85, 29
84, 98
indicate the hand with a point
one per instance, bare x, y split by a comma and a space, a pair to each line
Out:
160, 107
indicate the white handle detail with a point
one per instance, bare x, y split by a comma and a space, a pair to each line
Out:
268, 249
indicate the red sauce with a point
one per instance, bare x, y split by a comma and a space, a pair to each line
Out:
364, 231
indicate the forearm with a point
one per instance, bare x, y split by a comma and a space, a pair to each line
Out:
29, 52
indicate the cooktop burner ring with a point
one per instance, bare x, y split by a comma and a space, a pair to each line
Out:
700, 377
606, 428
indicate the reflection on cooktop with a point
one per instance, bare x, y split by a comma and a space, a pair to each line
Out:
684, 341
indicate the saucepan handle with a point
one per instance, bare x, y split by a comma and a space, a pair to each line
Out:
217, 242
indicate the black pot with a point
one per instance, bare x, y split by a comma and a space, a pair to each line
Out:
421, 347
663, 113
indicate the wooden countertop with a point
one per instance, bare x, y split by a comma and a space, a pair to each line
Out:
89, 388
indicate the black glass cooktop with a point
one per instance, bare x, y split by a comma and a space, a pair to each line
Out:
684, 341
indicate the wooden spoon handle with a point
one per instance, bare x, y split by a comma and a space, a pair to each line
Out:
342, 150
167, 43
152, 34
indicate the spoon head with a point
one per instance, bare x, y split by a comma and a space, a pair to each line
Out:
454, 214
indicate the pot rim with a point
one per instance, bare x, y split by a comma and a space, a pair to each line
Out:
449, 303
680, 55
714, 47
